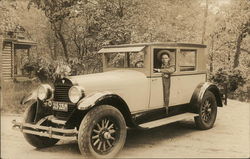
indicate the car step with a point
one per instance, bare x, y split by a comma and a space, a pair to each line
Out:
167, 120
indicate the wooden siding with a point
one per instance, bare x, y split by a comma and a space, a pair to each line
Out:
6, 62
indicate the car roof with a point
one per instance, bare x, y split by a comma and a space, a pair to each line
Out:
170, 44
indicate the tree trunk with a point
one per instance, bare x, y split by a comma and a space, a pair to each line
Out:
79, 48
204, 23
244, 32
55, 48
238, 50
120, 10
64, 45
57, 27
211, 68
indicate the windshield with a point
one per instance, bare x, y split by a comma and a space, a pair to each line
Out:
125, 59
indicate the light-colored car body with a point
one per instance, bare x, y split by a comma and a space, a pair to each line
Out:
134, 90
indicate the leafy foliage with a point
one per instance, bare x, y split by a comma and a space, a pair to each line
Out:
48, 71
229, 38
237, 83
233, 78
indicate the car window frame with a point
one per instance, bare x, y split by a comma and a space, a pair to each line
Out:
196, 59
152, 58
126, 60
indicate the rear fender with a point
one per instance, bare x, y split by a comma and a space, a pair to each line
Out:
199, 93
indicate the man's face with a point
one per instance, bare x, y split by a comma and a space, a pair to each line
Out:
165, 59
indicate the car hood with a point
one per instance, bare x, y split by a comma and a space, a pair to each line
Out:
110, 81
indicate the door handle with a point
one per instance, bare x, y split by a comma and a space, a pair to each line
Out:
154, 80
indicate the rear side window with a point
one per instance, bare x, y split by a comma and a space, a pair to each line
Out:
125, 60
188, 60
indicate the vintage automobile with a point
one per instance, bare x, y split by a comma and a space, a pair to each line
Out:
131, 92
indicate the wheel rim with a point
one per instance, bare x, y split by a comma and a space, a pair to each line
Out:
105, 134
206, 110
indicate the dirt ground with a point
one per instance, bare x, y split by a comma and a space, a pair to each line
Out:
228, 139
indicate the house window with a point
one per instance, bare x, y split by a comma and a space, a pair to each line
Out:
188, 60
21, 57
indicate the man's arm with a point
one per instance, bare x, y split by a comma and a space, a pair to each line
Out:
170, 69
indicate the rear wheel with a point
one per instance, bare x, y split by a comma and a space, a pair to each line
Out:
207, 112
34, 140
102, 132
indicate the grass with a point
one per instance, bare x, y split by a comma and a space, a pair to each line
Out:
13, 92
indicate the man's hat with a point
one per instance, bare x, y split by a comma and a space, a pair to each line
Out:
159, 54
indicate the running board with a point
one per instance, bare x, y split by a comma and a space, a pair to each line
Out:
167, 120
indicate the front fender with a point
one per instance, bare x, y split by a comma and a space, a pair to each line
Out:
200, 91
91, 99
32, 96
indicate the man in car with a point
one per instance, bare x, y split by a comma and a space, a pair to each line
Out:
166, 69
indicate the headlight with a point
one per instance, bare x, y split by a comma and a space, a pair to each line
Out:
75, 94
44, 92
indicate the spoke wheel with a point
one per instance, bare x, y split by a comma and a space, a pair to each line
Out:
207, 112
102, 132
105, 135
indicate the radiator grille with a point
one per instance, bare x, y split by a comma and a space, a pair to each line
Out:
61, 93
62, 87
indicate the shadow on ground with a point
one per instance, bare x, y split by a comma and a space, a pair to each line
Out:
156, 135
136, 137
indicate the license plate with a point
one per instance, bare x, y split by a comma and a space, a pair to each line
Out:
60, 106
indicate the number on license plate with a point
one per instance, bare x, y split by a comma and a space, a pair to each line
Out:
60, 106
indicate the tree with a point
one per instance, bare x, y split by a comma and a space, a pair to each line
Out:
244, 30
231, 31
57, 12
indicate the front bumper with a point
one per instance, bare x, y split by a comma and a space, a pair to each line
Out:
45, 131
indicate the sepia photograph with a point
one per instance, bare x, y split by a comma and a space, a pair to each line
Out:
124, 79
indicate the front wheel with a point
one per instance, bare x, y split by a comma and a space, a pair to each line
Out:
207, 112
102, 132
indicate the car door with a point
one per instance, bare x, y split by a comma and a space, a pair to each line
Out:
189, 74
157, 93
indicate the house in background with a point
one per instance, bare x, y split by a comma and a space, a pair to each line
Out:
15, 53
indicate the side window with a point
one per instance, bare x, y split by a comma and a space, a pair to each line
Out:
115, 60
157, 56
136, 59
188, 60
125, 60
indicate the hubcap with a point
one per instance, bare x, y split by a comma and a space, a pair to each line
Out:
107, 135
104, 135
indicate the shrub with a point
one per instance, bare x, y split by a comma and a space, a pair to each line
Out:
242, 93
48, 71
235, 81
40, 68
